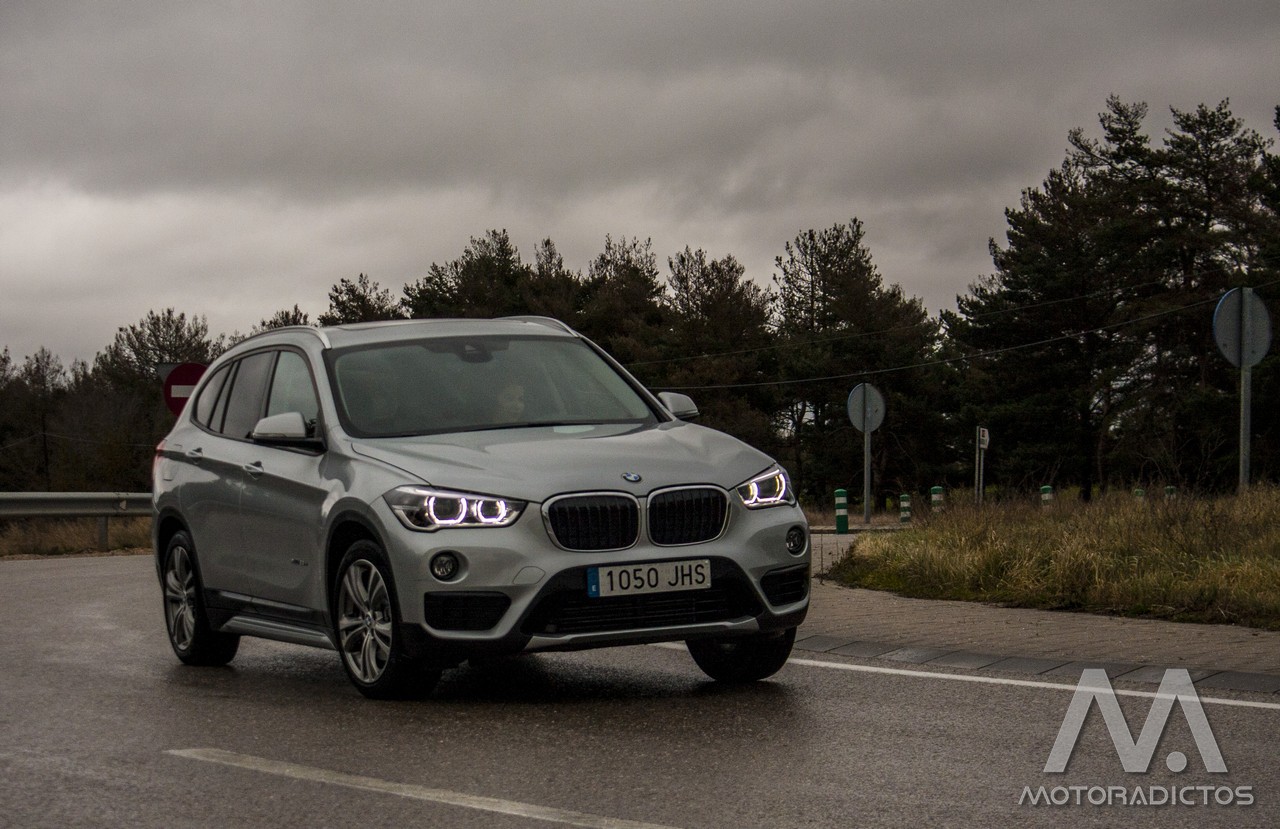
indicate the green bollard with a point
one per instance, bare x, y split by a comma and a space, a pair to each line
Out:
935, 497
904, 508
1170, 492
1046, 495
1140, 493
842, 512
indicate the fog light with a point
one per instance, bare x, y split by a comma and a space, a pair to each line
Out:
444, 566
795, 540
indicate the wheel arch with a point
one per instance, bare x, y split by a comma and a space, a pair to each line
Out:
168, 523
348, 527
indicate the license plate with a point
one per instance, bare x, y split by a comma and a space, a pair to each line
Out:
636, 579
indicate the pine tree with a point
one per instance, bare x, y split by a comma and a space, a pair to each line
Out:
360, 301
838, 322
621, 305
721, 336
487, 280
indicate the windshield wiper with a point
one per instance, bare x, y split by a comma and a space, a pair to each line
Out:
530, 424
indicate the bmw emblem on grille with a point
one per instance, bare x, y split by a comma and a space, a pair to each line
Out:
631, 477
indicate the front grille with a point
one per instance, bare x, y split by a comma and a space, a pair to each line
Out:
786, 586
686, 516
564, 608
594, 522
464, 611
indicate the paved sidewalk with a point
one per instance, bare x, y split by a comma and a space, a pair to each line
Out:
875, 625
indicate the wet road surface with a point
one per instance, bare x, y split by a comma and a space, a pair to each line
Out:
101, 726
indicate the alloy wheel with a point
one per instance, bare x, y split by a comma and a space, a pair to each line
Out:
180, 598
364, 621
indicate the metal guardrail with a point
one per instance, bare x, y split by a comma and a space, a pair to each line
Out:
73, 504
101, 505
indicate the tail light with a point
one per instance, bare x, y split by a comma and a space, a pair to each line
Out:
155, 462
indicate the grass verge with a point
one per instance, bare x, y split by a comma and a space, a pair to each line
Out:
1202, 560
47, 537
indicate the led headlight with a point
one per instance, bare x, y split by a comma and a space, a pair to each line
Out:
429, 509
769, 489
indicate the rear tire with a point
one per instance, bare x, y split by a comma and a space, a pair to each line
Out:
186, 621
742, 658
367, 629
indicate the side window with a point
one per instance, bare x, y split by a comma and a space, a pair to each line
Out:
292, 390
209, 396
220, 410
245, 402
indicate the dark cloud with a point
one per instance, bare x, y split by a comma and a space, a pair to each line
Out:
239, 157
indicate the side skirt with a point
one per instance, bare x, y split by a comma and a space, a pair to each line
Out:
249, 616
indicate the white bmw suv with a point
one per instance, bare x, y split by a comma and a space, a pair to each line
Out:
415, 493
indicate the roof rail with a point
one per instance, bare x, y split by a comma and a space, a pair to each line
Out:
550, 322
324, 338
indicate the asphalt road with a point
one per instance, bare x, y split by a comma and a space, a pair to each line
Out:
101, 726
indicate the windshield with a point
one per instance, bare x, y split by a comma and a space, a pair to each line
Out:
463, 384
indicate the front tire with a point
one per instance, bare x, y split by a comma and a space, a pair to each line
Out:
194, 642
742, 658
367, 629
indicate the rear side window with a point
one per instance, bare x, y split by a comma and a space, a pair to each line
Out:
248, 390
209, 396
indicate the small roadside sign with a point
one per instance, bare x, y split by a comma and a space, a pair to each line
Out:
1242, 327
984, 438
866, 413
866, 407
181, 384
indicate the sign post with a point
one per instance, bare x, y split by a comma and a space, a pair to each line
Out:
866, 413
981, 439
1242, 328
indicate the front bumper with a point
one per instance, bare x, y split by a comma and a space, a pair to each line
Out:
517, 591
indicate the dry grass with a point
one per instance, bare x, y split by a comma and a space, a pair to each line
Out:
1208, 560
47, 537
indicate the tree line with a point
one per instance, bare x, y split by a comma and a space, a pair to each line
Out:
1087, 351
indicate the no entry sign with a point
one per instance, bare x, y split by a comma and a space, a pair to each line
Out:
180, 384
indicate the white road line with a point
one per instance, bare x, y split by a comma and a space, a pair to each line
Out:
993, 680
372, 784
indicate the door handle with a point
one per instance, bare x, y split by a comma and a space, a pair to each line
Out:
254, 469
195, 455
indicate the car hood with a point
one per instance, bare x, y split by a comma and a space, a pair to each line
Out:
533, 464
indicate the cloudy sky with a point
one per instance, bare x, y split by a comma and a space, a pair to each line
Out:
232, 159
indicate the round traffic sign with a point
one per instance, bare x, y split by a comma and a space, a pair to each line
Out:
1242, 327
866, 407
180, 384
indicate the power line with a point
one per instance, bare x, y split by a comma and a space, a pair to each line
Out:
19, 442
930, 321
790, 344
949, 360
100, 442
69, 438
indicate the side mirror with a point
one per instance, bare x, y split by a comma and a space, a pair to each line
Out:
680, 405
285, 429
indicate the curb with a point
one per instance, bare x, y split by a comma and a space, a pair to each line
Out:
1058, 668
856, 529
